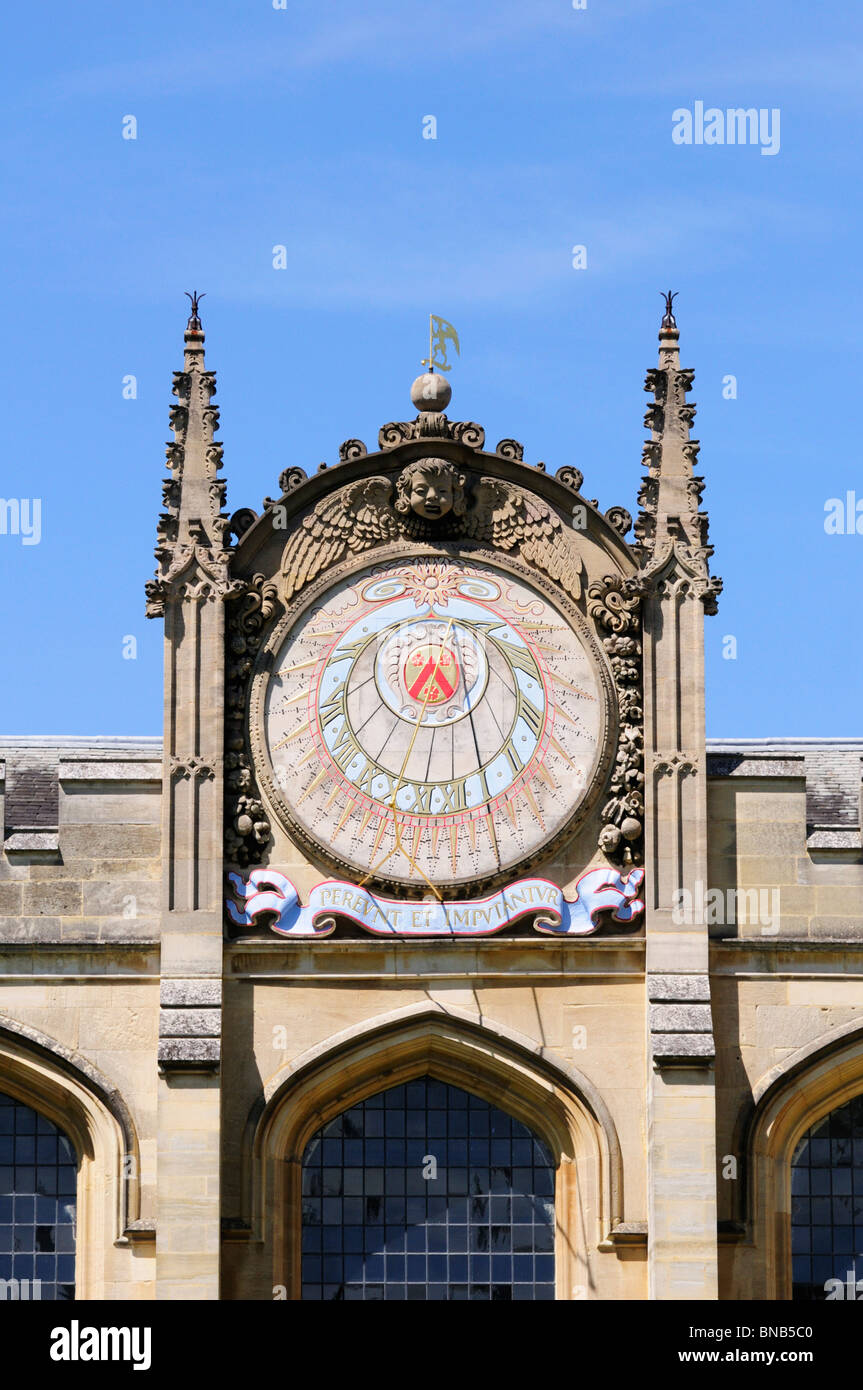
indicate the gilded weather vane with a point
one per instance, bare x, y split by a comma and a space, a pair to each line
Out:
440, 333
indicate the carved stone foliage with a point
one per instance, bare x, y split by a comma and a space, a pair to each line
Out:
687, 564
217, 492
664, 540
654, 418
614, 604
611, 602
192, 768
655, 381
166, 528
241, 521
247, 829
674, 764
666, 422
291, 478
570, 477
352, 449
510, 449
431, 500
619, 518
193, 562
431, 424
196, 572
645, 526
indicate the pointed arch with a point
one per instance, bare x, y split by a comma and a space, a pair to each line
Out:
791, 1098
464, 1050
56, 1081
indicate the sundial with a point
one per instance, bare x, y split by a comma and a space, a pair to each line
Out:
430, 723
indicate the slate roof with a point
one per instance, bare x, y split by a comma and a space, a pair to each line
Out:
32, 767
832, 767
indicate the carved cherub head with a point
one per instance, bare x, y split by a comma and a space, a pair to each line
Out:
431, 488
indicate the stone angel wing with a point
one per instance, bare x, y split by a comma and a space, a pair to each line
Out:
512, 519
350, 520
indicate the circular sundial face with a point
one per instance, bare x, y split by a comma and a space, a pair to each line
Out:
431, 724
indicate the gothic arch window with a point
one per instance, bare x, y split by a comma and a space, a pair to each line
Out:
38, 1183
827, 1204
427, 1192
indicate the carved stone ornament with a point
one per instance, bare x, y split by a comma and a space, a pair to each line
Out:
670, 539
614, 604
247, 829
692, 561
570, 477
241, 521
193, 561
431, 500
620, 519
510, 449
194, 767
207, 577
431, 424
291, 478
352, 449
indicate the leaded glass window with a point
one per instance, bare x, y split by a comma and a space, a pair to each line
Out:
38, 1183
425, 1192
827, 1204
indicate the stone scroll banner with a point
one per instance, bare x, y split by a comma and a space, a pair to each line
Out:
599, 891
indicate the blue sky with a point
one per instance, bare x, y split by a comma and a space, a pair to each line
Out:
303, 127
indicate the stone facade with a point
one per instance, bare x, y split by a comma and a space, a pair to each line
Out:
669, 1060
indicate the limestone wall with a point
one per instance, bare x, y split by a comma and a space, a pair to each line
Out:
79, 967
579, 1010
785, 821
79, 997
89, 868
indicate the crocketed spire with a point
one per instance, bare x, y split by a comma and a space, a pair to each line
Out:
192, 528
670, 522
